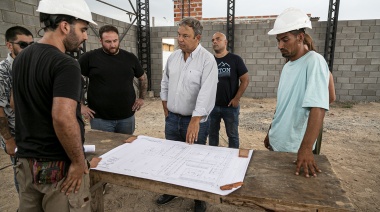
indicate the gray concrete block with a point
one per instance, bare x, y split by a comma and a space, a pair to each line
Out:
343, 80
362, 74
360, 86
366, 48
33, 2
362, 29
356, 80
363, 61
268, 90
257, 89
373, 74
373, 55
350, 61
258, 55
269, 55
359, 98
252, 26
372, 68
370, 80
375, 29
256, 78
351, 48
345, 98
262, 73
270, 67
375, 48
361, 43
259, 43
377, 35
374, 42
347, 74
357, 68
368, 22
275, 61
12, 17
250, 61
355, 92
375, 61
374, 86
338, 61
344, 67
31, 20
261, 84
262, 49
354, 23
262, 61
352, 36
339, 49
347, 86
373, 98
273, 84
268, 78
8, 5
24, 8
347, 42
345, 55
341, 92
348, 30
367, 35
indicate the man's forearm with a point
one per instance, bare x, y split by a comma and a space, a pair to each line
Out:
244, 81
67, 128
314, 125
143, 86
4, 127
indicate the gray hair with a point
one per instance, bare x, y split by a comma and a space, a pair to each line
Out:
193, 23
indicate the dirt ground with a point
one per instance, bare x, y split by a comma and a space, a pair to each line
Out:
351, 141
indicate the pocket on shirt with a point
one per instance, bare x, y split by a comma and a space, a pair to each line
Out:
193, 78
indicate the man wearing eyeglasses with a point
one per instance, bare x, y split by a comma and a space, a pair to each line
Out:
17, 39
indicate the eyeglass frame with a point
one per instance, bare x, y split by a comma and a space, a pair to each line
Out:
23, 44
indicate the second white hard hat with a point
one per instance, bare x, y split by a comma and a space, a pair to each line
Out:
76, 8
290, 19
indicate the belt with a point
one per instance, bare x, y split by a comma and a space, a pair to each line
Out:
179, 115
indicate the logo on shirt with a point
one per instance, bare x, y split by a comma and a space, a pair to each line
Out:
224, 69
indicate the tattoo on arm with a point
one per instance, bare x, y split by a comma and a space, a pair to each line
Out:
4, 128
143, 86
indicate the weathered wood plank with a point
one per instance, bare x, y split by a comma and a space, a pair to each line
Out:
269, 182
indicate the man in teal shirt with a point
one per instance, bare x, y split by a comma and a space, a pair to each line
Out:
302, 96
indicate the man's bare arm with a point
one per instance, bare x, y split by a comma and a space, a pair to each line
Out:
244, 81
305, 157
5, 132
143, 86
66, 127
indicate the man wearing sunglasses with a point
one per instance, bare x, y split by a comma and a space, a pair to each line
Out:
17, 39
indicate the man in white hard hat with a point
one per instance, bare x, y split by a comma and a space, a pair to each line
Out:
51, 168
302, 96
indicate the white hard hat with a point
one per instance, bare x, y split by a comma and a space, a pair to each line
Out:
290, 19
76, 8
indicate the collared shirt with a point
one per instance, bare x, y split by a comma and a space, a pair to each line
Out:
189, 87
5, 93
303, 85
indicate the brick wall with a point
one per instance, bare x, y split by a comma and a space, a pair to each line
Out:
195, 9
356, 65
23, 13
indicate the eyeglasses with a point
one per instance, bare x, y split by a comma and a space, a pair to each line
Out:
23, 44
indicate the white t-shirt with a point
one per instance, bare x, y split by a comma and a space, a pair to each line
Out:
303, 85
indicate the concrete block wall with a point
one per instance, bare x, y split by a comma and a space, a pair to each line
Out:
356, 61
23, 13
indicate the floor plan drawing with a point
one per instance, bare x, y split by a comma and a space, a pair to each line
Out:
195, 166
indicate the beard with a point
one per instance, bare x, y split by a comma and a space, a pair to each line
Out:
72, 42
111, 51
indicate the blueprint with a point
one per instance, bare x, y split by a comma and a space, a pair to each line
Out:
195, 166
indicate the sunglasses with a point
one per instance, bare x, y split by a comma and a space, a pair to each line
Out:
23, 44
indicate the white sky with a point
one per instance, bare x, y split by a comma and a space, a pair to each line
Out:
162, 10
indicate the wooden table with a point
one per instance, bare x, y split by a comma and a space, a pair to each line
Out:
269, 183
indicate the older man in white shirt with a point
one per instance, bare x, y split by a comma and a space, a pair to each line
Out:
188, 91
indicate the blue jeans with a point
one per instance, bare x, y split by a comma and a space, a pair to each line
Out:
176, 128
230, 116
125, 126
